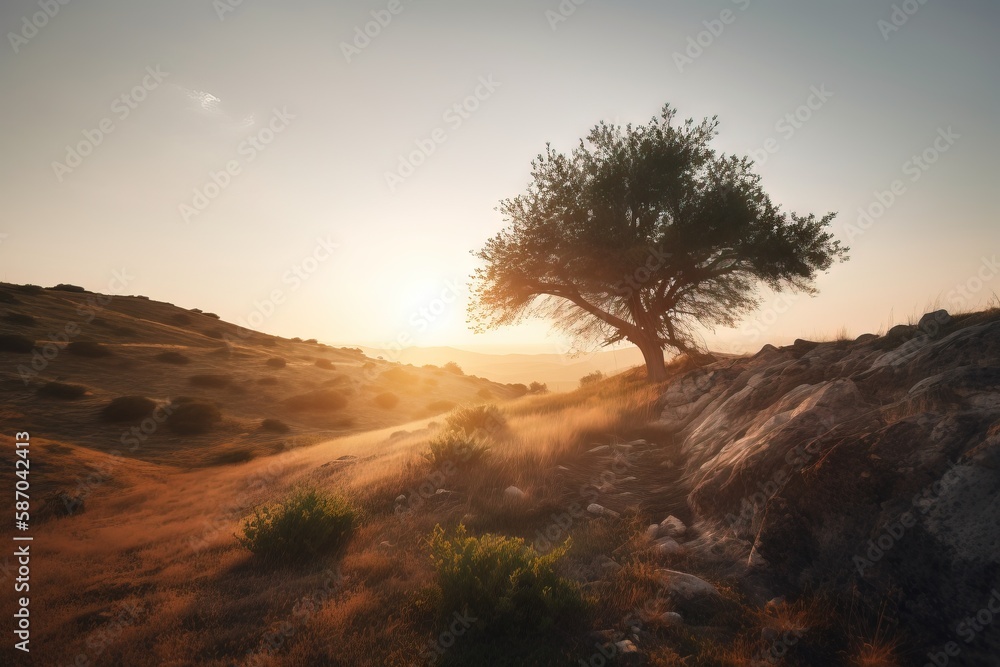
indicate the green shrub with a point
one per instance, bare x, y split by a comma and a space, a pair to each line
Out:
318, 400
193, 417
172, 358
387, 400
478, 419
309, 523
16, 343
511, 589
128, 408
87, 348
456, 447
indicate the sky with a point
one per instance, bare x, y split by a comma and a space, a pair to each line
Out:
273, 163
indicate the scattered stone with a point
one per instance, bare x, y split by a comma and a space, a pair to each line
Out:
600, 510
672, 527
607, 487
667, 546
400, 499
671, 619
627, 653
689, 592
653, 531
930, 322
514, 493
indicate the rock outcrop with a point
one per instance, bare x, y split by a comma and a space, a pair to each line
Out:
872, 463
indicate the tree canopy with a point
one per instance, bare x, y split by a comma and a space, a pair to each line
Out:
642, 233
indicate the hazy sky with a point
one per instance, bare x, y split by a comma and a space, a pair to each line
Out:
117, 114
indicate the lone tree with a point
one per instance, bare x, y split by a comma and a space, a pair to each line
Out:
641, 234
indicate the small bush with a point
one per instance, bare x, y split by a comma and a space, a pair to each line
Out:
591, 378
480, 419
452, 367
89, 349
398, 376
268, 342
311, 341
275, 426
538, 388
437, 407
62, 390
15, 343
276, 362
511, 589
62, 287
234, 456
20, 319
309, 523
212, 315
213, 333
182, 318
387, 400
454, 448
128, 408
211, 381
193, 417
325, 364
172, 358
29, 289
296, 340
519, 389
321, 399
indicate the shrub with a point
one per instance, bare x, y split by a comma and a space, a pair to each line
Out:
399, 376
29, 289
538, 388
89, 349
20, 319
15, 343
296, 340
452, 367
210, 381
193, 417
62, 390
275, 426
233, 456
321, 399
212, 315
591, 378
128, 408
479, 419
276, 362
511, 589
452, 447
63, 287
309, 523
213, 333
311, 341
182, 318
325, 364
387, 400
519, 389
268, 342
172, 358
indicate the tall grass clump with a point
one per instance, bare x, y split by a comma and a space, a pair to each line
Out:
482, 420
456, 447
307, 524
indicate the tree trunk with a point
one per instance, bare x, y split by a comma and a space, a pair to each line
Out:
652, 353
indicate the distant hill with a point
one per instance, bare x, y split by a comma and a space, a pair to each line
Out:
560, 372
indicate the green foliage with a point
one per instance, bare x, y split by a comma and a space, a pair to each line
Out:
511, 589
193, 417
128, 408
309, 523
456, 447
